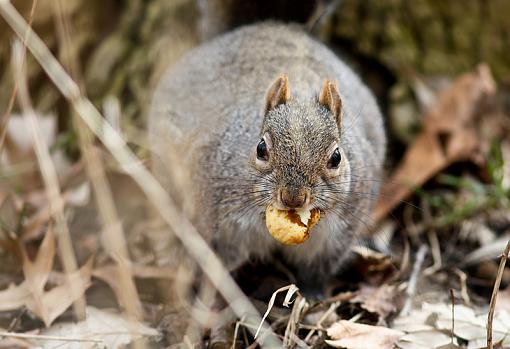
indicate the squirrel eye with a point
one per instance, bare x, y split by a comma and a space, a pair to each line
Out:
335, 159
262, 153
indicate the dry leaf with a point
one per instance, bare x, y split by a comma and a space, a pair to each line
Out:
374, 266
430, 327
112, 329
379, 300
448, 135
291, 290
351, 335
58, 299
45, 304
14, 343
428, 339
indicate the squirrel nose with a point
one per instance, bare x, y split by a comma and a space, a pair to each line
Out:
294, 198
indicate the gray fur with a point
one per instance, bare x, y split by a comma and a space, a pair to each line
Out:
207, 117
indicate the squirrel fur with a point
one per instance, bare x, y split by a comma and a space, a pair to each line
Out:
268, 82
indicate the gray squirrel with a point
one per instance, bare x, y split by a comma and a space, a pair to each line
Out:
266, 114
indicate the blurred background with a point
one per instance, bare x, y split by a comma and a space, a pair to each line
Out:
440, 70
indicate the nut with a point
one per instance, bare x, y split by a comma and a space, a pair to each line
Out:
290, 227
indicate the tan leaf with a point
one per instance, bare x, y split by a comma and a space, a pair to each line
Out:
37, 273
373, 266
47, 305
14, 343
379, 300
351, 335
55, 301
14, 297
449, 134
112, 329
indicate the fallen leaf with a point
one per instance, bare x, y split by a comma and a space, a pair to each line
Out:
113, 331
14, 343
351, 335
448, 135
430, 327
374, 266
428, 339
379, 300
32, 293
58, 299
14, 297
291, 290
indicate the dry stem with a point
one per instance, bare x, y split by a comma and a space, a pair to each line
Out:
50, 178
494, 296
7, 115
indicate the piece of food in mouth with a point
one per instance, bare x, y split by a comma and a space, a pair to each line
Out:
290, 227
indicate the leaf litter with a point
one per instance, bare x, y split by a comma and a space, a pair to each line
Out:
31, 293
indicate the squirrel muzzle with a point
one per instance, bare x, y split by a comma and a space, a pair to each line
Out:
294, 198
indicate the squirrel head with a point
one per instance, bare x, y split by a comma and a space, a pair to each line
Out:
299, 154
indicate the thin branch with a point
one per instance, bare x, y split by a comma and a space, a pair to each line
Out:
50, 178
7, 115
114, 241
181, 226
495, 290
47, 338
413, 279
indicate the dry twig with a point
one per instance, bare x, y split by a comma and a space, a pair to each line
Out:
7, 115
48, 338
49, 174
413, 279
494, 296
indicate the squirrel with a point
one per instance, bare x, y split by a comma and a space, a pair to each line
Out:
266, 114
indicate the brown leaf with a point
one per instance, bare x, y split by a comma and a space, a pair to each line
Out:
14, 297
47, 305
379, 300
55, 301
375, 267
352, 335
449, 135
37, 272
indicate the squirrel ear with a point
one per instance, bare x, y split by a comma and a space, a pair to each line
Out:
278, 93
330, 98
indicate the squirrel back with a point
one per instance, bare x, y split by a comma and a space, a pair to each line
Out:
226, 146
